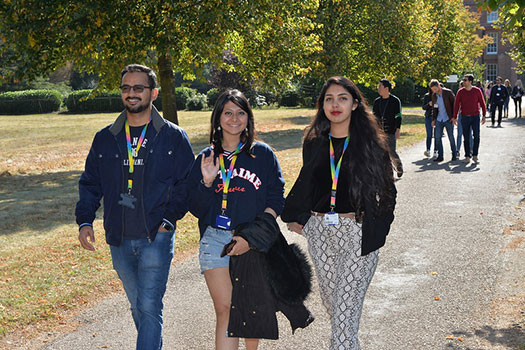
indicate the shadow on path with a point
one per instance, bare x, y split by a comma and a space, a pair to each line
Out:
513, 336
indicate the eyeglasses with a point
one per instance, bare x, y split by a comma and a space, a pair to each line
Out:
139, 88
465, 80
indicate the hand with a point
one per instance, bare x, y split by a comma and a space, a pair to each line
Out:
85, 233
209, 168
454, 121
240, 247
295, 227
398, 133
482, 120
433, 124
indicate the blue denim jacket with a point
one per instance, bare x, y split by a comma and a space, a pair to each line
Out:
167, 164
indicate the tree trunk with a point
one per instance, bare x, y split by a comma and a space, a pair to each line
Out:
167, 87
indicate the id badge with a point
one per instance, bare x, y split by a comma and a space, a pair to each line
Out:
331, 219
223, 222
127, 200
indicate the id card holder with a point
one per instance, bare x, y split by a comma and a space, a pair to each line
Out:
223, 222
127, 200
331, 219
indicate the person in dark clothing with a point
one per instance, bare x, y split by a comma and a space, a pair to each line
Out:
427, 106
387, 109
231, 182
139, 165
343, 203
517, 94
498, 94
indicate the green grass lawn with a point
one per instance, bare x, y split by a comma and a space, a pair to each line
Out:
44, 274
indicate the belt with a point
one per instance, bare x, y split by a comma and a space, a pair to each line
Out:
477, 115
342, 215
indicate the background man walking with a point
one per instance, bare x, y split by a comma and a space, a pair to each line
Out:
443, 117
387, 109
468, 102
138, 165
498, 95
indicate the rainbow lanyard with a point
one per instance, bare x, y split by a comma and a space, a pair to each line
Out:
335, 170
226, 177
131, 158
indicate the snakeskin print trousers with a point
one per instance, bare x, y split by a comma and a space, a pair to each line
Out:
343, 274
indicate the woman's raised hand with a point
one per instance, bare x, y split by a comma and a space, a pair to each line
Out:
209, 168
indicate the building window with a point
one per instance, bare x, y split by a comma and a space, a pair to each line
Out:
492, 48
492, 72
492, 17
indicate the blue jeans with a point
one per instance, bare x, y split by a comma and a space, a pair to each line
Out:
143, 268
450, 133
468, 124
460, 135
429, 129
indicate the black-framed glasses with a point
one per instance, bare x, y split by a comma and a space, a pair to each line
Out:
138, 88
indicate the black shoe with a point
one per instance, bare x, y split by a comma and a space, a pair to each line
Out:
499, 125
438, 159
454, 158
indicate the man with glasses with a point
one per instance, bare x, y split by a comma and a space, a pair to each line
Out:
498, 95
469, 100
138, 165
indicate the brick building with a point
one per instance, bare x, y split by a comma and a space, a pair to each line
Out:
495, 57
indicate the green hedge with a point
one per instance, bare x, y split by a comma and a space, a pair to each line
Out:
79, 102
30, 102
183, 95
196, 103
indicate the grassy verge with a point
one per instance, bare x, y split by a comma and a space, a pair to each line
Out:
44, 274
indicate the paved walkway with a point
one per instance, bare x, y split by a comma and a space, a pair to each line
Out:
446, 242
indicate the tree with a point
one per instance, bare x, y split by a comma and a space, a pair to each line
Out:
511, 18
101, 36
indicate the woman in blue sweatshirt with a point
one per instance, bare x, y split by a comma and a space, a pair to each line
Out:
231, 182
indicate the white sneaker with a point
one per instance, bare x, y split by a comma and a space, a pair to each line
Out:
475, 159
467, 160
436, 154
427, 153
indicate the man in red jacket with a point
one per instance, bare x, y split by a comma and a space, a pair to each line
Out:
469, 100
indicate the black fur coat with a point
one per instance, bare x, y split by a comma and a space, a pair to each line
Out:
272, 276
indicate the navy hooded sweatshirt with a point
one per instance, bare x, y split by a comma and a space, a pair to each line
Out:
256, 184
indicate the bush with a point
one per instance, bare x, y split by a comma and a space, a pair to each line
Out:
289, 98
404, 90
269, 97
30, 102
196, 103
104, 102
182, 95
212, 95
368, 93
255, 98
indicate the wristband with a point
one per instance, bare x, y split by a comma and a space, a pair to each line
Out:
206, 183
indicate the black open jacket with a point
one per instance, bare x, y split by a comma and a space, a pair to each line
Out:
298, 204
272, 276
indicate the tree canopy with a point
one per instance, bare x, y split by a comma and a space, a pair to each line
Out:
273, 40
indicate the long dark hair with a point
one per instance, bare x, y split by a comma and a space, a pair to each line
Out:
369, 166
247, 136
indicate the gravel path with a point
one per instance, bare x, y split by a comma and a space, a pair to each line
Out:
447, 242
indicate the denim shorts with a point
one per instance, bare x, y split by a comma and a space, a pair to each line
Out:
211, 244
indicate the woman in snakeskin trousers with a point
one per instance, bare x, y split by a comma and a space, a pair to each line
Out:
343, 203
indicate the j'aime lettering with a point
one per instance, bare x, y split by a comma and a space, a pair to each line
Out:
247, 175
